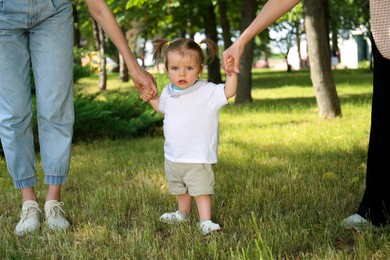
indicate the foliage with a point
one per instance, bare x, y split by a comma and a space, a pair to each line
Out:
112, 115
289, 27
170, 19
80, 71
349, 14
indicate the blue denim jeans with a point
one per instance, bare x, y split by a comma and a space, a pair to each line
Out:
36, 34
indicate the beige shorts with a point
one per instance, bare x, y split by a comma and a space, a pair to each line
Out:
192, 178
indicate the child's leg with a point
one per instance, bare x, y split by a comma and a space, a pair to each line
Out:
203, 202
184, 202
204, 208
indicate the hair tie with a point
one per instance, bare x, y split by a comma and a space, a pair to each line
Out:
168, 43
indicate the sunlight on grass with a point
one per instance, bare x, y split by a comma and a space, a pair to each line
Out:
90, 86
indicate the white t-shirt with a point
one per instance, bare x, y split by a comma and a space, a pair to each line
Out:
191, 119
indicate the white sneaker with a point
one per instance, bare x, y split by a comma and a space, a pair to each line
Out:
354, 221
173, 217
208, 226
55, 215
29, 218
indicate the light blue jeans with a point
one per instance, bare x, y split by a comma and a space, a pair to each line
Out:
36, 34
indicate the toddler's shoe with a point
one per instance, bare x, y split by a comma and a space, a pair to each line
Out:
354, 221
29, 218
173, 217
208, 226
55, 215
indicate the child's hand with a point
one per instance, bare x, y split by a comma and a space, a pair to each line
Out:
234, 51
147, 95
230, 65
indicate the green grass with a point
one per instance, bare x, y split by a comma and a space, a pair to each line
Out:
284, 181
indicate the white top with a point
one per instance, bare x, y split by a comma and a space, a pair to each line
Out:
191, 119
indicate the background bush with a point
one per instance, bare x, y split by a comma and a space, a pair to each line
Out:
113, 115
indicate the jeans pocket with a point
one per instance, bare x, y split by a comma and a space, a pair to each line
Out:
58, 3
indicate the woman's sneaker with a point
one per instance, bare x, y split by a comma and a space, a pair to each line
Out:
29, 218
208, 226
55, 215
173, 217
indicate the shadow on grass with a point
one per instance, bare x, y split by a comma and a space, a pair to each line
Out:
296, 181
277, 79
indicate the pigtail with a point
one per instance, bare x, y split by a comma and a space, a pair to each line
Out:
212, 48
158, 46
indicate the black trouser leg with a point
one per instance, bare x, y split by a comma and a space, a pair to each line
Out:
375, 204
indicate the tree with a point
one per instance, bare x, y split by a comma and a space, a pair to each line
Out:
210, 24
99, 36
225, 24
291, 26
346, 15
284, 41
319, 56
248, 14
77, 33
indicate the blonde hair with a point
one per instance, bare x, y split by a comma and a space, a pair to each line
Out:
162, 47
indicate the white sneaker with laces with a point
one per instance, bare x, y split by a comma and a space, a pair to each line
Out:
173, 217
29, 218
55, 215
354, 221
208, 226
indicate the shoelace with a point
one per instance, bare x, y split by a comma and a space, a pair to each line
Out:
25, 213
55, 209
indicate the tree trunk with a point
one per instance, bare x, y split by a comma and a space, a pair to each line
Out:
225, 25
248, 14
123, 70
298, 42
335, 45
289, 66
77, 34
210, 23
320, 59
98, 34
103, 61
265, 56
143, 52
131, 37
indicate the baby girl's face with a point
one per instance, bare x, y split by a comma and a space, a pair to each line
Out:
183, 70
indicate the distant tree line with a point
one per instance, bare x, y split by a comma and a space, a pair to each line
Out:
320, 22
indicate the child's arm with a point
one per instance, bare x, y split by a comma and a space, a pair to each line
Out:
231, 81
154, 103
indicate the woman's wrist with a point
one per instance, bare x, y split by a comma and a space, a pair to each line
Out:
134, 68
244, 38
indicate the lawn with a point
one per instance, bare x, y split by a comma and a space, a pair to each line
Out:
284, 181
